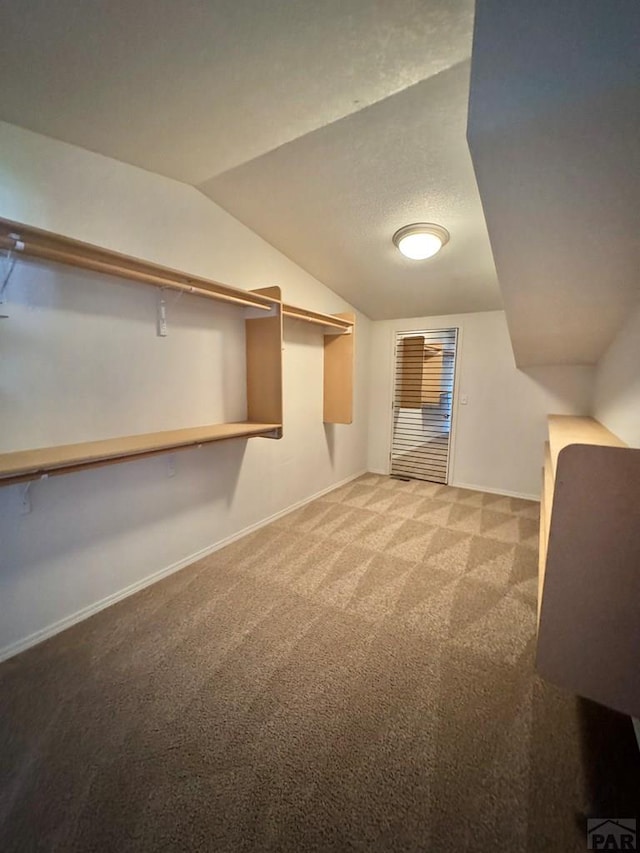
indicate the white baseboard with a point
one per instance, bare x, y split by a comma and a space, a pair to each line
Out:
80, 615
504, 492
474, 488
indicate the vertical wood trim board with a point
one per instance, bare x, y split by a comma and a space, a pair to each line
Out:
338, 376
264, 364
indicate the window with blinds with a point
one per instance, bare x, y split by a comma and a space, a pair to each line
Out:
423, 399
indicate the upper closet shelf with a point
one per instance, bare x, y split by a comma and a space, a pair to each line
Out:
23, 465
568, 429
26, 240
333, 322
589, 588
46, 245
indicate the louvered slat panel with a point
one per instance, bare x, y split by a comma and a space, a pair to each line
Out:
424, 384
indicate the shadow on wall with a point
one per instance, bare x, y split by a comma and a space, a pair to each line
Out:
330, 436
564, 383
45, 286
587, 751
611, 759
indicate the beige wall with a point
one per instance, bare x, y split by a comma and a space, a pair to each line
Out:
81, 360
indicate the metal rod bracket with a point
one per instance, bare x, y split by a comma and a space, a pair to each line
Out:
25, 503
11, 263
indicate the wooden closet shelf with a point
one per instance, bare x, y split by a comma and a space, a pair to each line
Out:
23, 465
46, 245
263, 344
564, 430
567, 429
331, 320
589, 584
546, 504
548, 483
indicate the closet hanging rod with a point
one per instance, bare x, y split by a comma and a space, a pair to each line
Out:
53, 247
317, 318
24, 465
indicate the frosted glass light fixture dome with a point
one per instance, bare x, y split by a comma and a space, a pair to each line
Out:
421, 240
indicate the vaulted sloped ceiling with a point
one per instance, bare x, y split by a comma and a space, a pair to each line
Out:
554, 131
192, 89
322, 126
332, 199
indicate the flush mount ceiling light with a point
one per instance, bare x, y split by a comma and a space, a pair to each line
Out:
421, 240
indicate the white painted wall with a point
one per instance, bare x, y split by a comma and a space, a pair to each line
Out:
617, 384
499, 435
79, 360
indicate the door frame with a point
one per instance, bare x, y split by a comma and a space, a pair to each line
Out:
454, 397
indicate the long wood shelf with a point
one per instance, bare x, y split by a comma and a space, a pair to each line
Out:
567, 429
589, 583
547, 489
546, 504
45, 245
564, 431
263, 357
542, 552
23, 465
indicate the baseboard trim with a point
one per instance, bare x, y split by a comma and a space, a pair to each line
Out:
43, 634
504, 492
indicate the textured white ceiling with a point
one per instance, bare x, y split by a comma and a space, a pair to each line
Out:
326, 126
189, 89
331, 200
554, 124
323, 126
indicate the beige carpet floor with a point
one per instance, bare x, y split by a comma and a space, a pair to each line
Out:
357, 676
